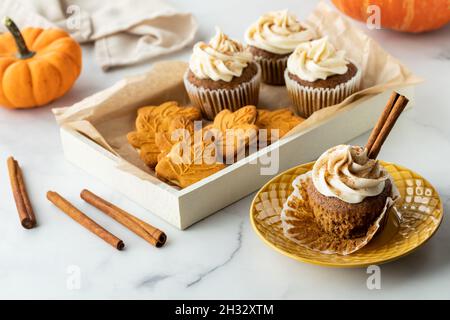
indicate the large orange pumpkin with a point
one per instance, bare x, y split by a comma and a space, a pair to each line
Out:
36, 66
401, 15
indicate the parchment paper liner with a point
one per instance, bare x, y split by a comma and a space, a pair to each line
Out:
308, 100
299, 224
212, 101
107, 116
272, 70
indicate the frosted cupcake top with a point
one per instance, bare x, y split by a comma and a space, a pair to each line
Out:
316, 60
278, 32
347, 173
220, 59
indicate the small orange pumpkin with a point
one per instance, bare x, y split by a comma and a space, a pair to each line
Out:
37, 66
401, 15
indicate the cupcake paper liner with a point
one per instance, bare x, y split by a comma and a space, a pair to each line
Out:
212, 101
307, 100
272, 70
300, 226
343, 224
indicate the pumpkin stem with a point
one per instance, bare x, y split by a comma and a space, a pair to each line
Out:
24, 52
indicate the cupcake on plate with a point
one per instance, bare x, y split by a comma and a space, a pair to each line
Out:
222, 75
272, 39
318, 76
348, 191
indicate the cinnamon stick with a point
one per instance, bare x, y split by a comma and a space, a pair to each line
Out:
384, 115
66, 207
144, 230
24, 208
387, 126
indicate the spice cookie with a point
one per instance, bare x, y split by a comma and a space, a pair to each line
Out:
233, 131
154, 119
282, 119
181, 129
186, 164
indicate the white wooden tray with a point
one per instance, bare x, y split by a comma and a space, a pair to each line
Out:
182, 208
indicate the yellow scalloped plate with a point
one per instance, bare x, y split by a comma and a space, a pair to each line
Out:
412, 221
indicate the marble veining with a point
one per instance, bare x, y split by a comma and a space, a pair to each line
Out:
444, 54
151, 281
223, 264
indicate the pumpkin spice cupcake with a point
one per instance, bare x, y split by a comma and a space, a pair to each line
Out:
272, 39
319, 76
347, 191
221, 75
343, 200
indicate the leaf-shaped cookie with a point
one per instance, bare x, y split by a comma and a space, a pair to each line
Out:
233, 131
154, 119
282, 119
187, 163
180, 129
245, 116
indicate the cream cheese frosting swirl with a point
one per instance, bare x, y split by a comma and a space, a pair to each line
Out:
347, 173
220, 59
316, 60
278, 32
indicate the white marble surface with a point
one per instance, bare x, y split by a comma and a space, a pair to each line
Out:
220, 257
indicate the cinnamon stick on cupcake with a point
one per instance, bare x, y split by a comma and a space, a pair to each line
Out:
349, 189
348, 193
221, 75
318, 76
272, 39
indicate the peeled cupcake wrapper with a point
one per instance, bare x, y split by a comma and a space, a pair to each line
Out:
212, 101
272, 69
307, 100
300, 227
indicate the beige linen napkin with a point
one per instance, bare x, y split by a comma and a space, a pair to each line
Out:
125, 31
